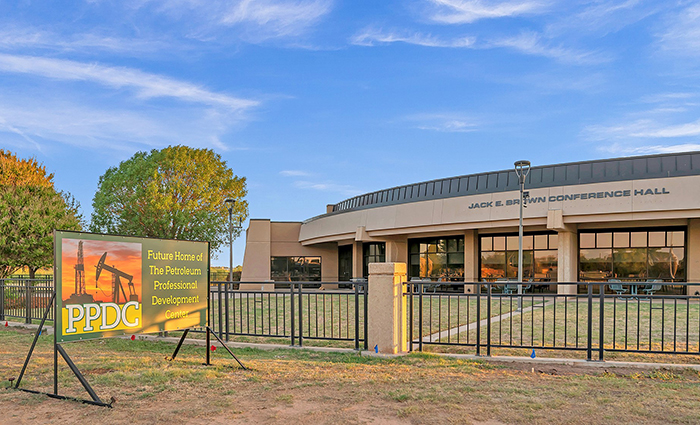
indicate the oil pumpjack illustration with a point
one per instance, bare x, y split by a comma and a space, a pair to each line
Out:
79, 296
117, 276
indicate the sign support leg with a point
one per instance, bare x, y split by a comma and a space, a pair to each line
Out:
80, 376
227, 349
36, 338
208, 362
179, 344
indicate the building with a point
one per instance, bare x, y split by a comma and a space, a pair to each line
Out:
634, 218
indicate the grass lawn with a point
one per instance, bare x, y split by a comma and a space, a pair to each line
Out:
298, 386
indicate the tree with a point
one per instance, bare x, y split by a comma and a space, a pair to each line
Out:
175, 193
32, 209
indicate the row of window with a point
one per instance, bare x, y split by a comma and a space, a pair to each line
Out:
634, 255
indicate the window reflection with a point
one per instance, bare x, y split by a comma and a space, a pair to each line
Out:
438, 258
634, 256
295, 269
595, 264
373, 252
493, 265
539, 257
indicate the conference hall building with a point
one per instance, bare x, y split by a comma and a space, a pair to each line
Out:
632, 219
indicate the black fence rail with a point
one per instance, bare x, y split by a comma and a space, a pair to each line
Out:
25, 299
305, 310
594, 322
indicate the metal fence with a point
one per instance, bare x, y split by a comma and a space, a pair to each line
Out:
594, 322
303, 311
25, 299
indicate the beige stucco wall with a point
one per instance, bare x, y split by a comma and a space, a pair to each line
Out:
256, 259
678, 198
265, 239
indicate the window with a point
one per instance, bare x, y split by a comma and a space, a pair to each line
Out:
295, 269
632, 255
373, 252
437, 258
499, 257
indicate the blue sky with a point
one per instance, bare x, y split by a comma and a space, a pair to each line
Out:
314, 101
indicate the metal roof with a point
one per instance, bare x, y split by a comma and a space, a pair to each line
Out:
585, 172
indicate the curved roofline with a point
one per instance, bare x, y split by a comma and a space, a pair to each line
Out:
563, 174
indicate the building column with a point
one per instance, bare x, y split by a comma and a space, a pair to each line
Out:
397, 250
386, 308
567, 258
567, 261
357, 260
692, 256
471, 261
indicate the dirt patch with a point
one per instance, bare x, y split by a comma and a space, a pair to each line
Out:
290, 386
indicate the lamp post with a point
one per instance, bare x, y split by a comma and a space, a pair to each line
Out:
522, 169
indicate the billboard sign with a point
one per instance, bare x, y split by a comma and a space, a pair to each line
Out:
113, 285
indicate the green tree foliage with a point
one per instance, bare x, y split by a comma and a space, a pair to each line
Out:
31, 209
176, 193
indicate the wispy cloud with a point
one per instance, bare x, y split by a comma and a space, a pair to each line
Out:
279, 17
682, 32
468, 11
531, 43
372, 37
15, 38
605, 16
620, 149
643, 129
668, 97
443, 122
146, 85
526, 43
324, 186
295, 173
255, 20
113, 129
663, 122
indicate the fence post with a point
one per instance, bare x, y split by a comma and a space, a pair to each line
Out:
357, 316
420, 316
28, 302
291, 303
2, 299
488, 323
301, 317
221, 328
365, 285
411, 291
478, 319
602, 323
589, 338
226, 314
